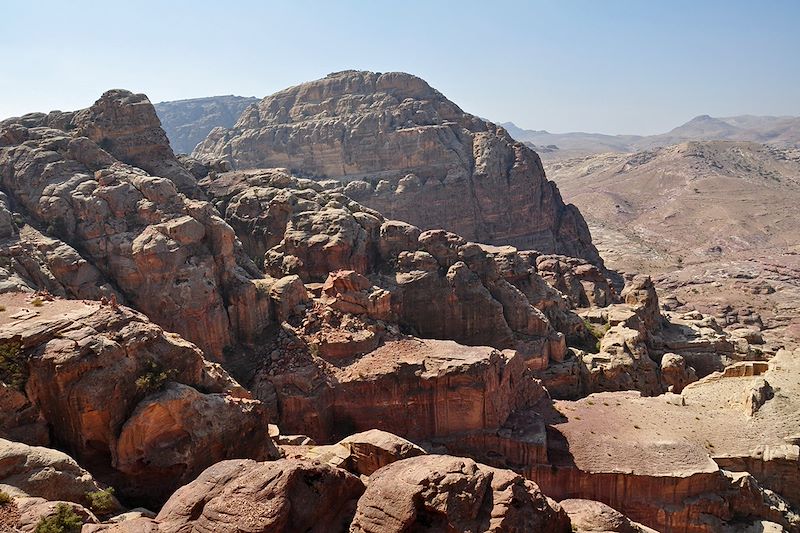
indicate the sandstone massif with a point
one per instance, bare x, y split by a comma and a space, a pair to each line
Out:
267, 349
399, 146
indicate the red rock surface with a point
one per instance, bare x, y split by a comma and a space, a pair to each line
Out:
441, 493
279, 496
83, 362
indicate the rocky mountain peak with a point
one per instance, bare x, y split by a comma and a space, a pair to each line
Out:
400, 147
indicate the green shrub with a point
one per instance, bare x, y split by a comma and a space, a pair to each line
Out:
37, 302
597, 331
64, 521
154, 377
4, 498
101, 501
13, 365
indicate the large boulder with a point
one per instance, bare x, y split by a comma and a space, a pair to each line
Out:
443, 493
278, 496
43, 472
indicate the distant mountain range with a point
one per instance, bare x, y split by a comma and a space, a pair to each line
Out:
187, 122
781, 132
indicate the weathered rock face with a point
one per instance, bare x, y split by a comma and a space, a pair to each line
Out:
582, 282
95, 373
415, 388
442, 493
776, 468
280, 496
33, 510
434, 283
42, 472
126, 126
589, 516
411, 154
675, 375
173, 258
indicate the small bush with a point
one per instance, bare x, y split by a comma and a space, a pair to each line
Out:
154, 377
4, 498
13, 365
64, 521
37, 302
597, 331
101, 501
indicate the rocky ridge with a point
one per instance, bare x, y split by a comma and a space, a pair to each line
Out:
349, 321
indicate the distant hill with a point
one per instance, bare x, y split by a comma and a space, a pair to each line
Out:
187, 122
574, 143
713, 221
780, 132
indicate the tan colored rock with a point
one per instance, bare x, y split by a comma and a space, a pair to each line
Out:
350, 292
287, 293
171, 257
126, 126
280, 496
453, 494
582, 282
132, 525
427, 152
588, 516
374, 449
43, 473
675, 375
33, 510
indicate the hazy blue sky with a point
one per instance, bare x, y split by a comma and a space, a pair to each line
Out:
637, 66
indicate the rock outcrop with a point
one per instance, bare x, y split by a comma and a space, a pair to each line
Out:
416, 388
42, 472
588, 516
441, 493
280, 496
170, 256
141, 405
402, 148
434, 284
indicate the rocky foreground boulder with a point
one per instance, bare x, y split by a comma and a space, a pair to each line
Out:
400, 147
140, 406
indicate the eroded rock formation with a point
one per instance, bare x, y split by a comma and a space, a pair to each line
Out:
405, 150
170, 256
141, 405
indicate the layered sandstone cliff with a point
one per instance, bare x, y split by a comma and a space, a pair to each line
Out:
80, 178
402, 148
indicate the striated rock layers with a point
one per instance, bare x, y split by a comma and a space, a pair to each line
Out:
170, 256
402, 148
140, 406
